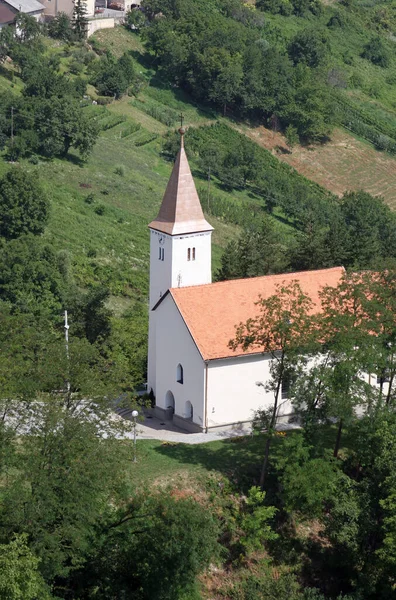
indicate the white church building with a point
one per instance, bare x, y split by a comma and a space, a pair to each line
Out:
197, 380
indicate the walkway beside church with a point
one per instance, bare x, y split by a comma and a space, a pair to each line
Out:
150, 428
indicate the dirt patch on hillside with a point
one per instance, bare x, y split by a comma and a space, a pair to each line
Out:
342, 164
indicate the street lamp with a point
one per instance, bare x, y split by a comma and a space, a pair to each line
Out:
135, 414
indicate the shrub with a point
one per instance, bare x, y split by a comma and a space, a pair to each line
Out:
100, 209
376, 52
120, 170
103, 100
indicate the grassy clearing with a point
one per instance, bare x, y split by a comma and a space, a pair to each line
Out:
345, 163
238, 459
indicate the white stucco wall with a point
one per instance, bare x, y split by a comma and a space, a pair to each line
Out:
176, 270
174, 346
96, 24
233, 393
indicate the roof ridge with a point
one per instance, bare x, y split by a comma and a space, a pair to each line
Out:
275, 275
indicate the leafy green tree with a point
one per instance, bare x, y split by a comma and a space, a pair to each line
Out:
60, 27
282, 330
112, 77
168, 540
24, 206
360, 521
60, 125
246, 257
308, 480
6, 42
27, 26
226, 86
125, 349
135, 19
291, 136
371, 228
309, 46
20, 578
31, 276
376, 51
254, 521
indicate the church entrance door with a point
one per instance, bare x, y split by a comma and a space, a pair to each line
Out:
188, 411
169, 405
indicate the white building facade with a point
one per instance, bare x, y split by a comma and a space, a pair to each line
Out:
197, 380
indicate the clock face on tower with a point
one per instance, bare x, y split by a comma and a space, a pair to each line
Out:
161, 240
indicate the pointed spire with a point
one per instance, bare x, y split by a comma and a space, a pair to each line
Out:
181, 212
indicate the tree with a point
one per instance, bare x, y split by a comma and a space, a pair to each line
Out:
112, 76
60, 125
291, 136
28, 27
309, 46
24, 207
135, 19
20, 578
225, 87
31, 276
80, 21
360, 520
371, 228
6, 42
334, 387
60, 27
283, 331
376, 51
169, 540
245, 257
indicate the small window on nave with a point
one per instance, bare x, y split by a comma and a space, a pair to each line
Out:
188, 253
179, 374
193, 253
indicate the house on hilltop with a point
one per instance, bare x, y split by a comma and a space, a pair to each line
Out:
197, 380
32, 8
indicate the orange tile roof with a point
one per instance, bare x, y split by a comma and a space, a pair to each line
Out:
181, 210
212, 311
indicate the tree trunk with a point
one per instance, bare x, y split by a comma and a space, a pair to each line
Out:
389, 394
265, 461
338, 440
273, 422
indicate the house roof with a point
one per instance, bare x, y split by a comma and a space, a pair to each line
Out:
25, 6
6, 14
212, 311
180, 212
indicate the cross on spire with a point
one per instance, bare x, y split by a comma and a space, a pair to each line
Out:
181, 119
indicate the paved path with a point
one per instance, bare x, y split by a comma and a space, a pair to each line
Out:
151, 428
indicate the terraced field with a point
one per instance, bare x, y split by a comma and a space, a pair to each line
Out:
344, 163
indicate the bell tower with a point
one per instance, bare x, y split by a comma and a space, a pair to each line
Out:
180, 244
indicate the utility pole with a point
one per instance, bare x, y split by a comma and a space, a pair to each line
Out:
66, 327
209, 190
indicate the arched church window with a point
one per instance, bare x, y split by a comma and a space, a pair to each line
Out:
188, 253
179, 374
193, 253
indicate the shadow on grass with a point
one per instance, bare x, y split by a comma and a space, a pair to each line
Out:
238, 459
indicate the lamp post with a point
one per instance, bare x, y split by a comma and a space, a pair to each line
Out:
135, 414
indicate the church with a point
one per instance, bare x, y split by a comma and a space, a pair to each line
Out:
197, 380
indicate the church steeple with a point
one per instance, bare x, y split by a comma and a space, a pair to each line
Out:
181, 212
180, 245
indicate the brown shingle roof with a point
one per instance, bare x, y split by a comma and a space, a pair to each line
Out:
212, 311
181, 211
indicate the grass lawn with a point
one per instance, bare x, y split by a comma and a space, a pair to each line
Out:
238, 459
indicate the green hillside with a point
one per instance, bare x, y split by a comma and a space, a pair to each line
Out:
104, 194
